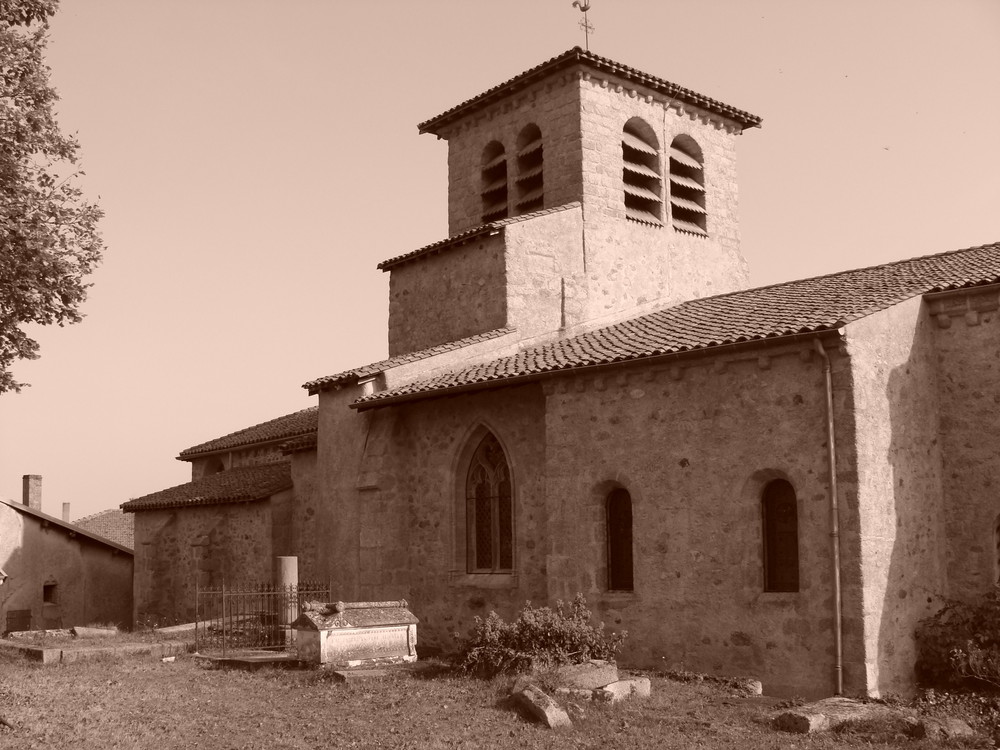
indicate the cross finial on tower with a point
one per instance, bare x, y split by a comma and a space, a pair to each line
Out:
584, 6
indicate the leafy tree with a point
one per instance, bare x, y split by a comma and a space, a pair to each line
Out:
49, 241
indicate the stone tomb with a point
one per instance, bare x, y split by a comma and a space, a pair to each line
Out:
354, 634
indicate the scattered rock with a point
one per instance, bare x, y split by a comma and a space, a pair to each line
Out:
635, 687
749, 686
801, 722
593, 674
168, 659
541, 707
942, 729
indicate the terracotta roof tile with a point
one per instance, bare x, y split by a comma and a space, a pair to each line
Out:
111, 524
245, 484
578, 56
815, 304
352, 376
290, 425
470, 234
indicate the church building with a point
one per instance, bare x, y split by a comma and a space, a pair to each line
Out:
582, 395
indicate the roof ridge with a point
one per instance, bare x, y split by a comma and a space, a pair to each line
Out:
829, 275
200, 447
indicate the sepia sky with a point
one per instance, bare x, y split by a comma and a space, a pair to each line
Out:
256, 159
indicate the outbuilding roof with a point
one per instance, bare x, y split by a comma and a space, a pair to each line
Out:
291, 425
809, 305
577, 56
67, 527
111, 524
242, 485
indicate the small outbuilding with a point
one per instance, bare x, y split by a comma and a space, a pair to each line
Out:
56, 574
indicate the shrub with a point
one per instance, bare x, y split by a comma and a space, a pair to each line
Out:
540, 637
961, 643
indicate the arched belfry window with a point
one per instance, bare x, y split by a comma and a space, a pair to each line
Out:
619, 525
489, 510
781, 537
530, 185
687, 186
641, 173
494, 182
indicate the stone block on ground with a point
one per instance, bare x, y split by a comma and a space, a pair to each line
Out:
587, 676
577, 693
83, 632
634, 687
827, 714
541, 707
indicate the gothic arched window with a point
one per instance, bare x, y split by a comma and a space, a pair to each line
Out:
489, 510
641, 173
493, 175
687, 186
781, 537
530, 182
619, 525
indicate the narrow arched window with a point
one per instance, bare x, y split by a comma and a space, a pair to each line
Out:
619, 524
530, 183
494, 182
781, 537
687, 186
641, 173
489, 510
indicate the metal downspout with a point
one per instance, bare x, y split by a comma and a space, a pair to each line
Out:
834, 518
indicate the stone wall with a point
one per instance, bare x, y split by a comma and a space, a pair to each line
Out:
966, 332
897, 457
693, 442
179, 550
694, 445
447, 296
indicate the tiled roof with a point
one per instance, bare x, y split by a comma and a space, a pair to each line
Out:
290, 425
578, 56
245, 484
352, 376
65, 526
111, 524
301, 443
470, 234
815, 304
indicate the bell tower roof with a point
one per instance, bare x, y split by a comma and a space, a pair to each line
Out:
584, 60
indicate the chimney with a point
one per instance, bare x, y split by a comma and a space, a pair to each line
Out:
66, 512
31, 494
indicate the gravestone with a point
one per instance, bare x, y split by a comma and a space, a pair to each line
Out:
356, 634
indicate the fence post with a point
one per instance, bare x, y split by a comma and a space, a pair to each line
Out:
286, 576
225, 637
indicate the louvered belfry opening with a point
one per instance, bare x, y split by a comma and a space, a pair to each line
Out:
641, 173
687, 186
530, 183
494, 182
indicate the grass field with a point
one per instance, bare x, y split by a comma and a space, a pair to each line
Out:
183, 704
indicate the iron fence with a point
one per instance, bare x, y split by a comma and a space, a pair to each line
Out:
251, 616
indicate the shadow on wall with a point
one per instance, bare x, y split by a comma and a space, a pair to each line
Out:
911, 517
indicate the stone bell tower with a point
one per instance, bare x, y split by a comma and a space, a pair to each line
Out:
580, 191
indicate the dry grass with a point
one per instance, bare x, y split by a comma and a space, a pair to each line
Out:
149, 704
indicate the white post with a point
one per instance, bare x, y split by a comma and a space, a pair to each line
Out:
286, 576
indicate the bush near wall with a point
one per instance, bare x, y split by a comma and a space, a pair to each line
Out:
960, 644
540, 637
